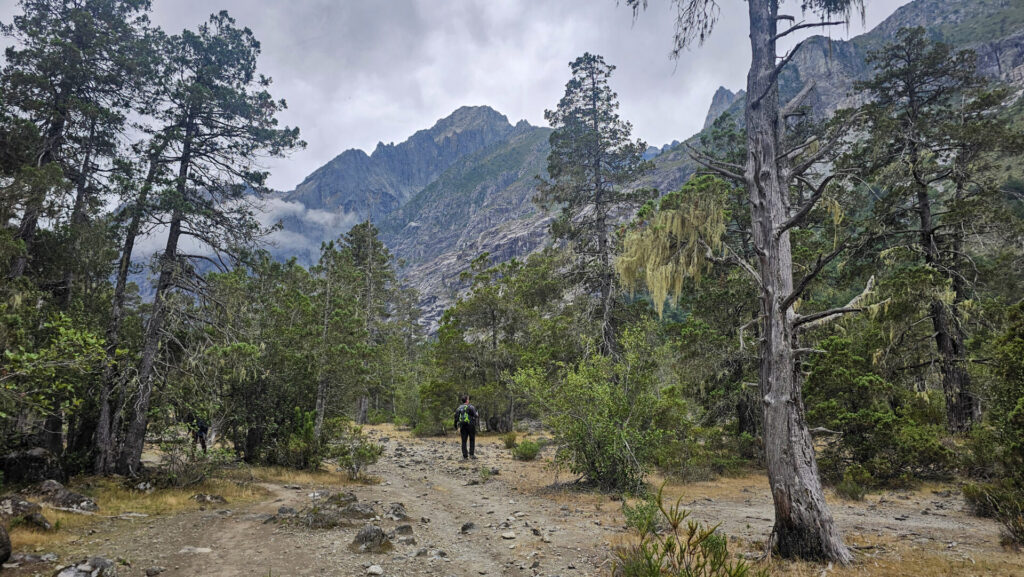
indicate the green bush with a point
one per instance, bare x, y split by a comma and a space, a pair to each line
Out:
1002, 501
509, 440
855, 483
600, 411
685, 549
643, 516
352, 450
300, 449
893, 434
526, 451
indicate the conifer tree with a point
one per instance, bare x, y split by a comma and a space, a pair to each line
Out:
592, 164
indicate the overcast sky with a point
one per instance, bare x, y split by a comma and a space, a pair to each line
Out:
355, 72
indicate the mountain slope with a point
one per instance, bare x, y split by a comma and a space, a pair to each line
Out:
372, 186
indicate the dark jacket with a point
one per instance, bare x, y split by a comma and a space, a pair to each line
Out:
472, 415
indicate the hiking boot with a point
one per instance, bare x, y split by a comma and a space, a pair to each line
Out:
472, 456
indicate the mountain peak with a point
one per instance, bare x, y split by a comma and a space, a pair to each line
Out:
469, 118
720, 102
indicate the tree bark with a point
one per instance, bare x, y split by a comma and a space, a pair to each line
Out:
104, 439
804, 527
962, 407
135, 439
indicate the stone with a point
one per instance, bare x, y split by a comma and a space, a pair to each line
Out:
53, 493
508, 535
207, 498
374, 570
190, 549
31, 466
396, 512
341, 499
467, 527
324, 518
92, 567
370, 539
284, 510
154, 571
407, 540
358, 511
405, 529
14, 507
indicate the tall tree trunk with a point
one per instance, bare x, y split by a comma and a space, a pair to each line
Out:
804, 526
135, 439
105, 427
79, 218
962, 407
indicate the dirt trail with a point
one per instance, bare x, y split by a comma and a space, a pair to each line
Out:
565, 534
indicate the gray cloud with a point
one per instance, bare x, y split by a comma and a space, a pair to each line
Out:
355, 72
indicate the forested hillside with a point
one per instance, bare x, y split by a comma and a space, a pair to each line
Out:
820, 290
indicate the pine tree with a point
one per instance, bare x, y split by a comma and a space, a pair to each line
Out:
223, 120
592, 165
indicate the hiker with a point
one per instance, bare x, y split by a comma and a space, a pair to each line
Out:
466, 422
199, 429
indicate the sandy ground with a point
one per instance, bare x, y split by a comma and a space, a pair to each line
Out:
556, 532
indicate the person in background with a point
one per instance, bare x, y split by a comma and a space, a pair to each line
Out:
466, 422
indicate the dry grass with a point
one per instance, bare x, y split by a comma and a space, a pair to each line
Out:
115, 499
286, 476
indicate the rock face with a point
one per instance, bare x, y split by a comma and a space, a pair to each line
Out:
371, 539
720, 102
373, 185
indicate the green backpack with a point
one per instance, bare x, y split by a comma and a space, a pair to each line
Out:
464, 418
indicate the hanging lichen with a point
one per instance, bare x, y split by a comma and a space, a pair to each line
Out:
670, 242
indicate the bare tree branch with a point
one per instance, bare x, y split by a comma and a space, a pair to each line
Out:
801, 26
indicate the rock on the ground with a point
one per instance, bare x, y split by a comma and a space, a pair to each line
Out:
5, 545
342, 499
396, 511
285, 510
374, 570
57, 495
508, 535
14, 507
358, 511
207, 498
154, 571
371, 539
191, 549
31, 466
467, 527
324, 518
405, 529
92, 567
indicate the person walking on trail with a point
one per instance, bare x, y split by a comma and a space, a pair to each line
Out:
466, 422
199, 431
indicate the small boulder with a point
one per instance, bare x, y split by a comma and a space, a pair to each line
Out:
31, 466
93, 567
396, 512
324, 518
14, 507
207, 498
508, 535
154, 571
404, 529
55, 494
286, 511
358, 511
467, 527
371, 539
374, 570
341, 499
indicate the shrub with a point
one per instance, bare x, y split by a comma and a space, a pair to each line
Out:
526, 451
685, 549
600, 410
1002, 501
509, 440
643, 516
890, 432
351, 448
856, 480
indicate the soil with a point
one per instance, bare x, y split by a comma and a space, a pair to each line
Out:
556, 531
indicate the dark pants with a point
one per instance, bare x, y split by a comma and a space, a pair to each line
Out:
200, 439
468, 433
